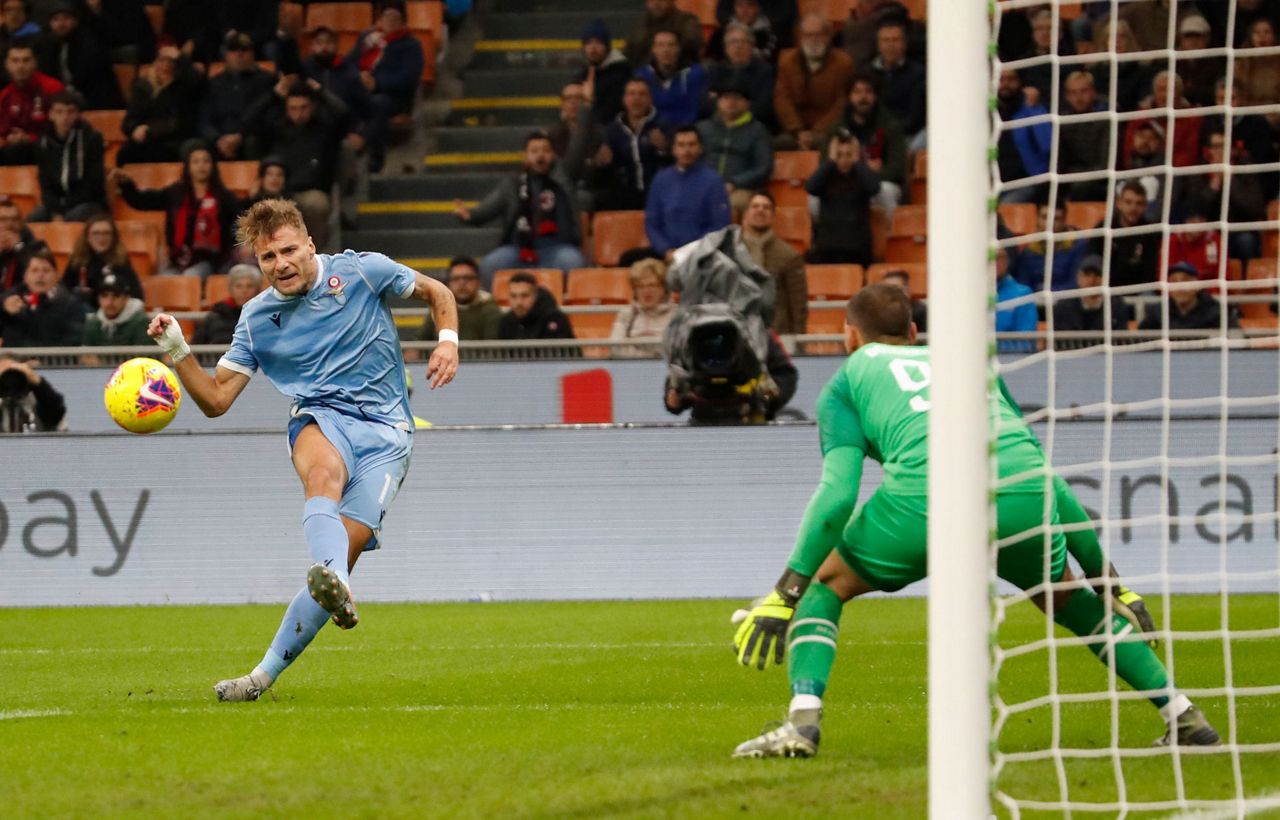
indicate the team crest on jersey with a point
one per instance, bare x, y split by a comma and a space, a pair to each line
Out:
335, 289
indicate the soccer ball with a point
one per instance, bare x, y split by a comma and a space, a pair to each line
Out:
142, 396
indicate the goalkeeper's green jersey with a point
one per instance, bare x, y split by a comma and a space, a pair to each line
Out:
878, 401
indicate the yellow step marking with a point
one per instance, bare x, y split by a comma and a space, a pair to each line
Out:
488, 103
417, 207
542, 44
477, 158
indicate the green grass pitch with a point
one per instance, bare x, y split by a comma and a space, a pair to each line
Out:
578, 710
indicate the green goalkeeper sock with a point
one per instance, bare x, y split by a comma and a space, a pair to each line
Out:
1085, 615
812, 640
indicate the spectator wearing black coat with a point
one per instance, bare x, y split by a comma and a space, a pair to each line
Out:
901, 79
304, 126
337, 76
70, 161
222, 121
606, 69
748, 14
844, 185
162, 110
40, 312
199, 212
99, 252
534, 313
1089, 312
782, 15
390, 61
124, 26
16, 244
79, 57
1135, 258
636, 147
1191, 306
742, 69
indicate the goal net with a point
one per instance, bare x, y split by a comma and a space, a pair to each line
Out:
1134, 184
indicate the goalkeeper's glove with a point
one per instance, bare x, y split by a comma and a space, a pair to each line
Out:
765, 624
1129, 605
172, 342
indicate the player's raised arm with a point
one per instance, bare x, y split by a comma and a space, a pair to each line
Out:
213, 394
444, 359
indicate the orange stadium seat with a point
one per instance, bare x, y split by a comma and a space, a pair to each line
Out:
292, 16
171, 292
425, 19
21, 183
594, 325
615, 232
879, 231
125, 75
705, 11
917, 9
919, 184
917, 276
831, 282
598, 286
825, 320
1260, 269
837, 11
142, 238
550, 278
1086, 215
155, 15
216, 288
239, 176
1019, 217
145, 175
110, 125
908, 235
59, 236
792, 223
790, 170
347, 19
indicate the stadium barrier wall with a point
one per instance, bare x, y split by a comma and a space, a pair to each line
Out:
558, 513
528, 392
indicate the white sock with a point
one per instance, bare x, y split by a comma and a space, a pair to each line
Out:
1172, 710
805, 702
261, 677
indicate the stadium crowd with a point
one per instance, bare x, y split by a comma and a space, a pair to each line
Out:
808, 132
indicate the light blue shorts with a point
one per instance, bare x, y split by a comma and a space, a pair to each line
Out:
376, 456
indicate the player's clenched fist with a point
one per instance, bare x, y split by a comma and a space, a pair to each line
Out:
168, 334
764, 626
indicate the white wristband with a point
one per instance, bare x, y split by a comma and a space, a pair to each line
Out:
448, 335
172, 342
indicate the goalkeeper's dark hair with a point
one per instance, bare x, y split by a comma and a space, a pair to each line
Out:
880, 312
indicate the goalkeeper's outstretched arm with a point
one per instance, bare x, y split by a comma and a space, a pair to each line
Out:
765, 625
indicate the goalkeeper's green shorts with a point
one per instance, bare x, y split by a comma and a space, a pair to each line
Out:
886, 540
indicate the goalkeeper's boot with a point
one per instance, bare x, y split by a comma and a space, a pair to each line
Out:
797, 737
1191, 728
333, 595
248, 687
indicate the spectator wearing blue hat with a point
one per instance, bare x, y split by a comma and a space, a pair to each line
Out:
606, 69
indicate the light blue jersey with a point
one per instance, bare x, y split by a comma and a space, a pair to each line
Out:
335, 346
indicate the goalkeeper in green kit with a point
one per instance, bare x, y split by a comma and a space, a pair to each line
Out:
877, 406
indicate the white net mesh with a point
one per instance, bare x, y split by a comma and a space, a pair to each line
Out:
1144, 133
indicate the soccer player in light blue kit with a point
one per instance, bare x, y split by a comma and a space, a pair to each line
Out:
324, 335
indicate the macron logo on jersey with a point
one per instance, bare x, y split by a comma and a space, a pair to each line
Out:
275, 319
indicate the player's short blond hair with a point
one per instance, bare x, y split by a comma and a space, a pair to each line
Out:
266, 217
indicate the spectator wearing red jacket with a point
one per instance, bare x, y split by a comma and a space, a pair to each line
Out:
24, 105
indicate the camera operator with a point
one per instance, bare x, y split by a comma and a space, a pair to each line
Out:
28, 403
723, 362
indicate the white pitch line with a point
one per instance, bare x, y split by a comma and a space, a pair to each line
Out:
1252, 805
21, 714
